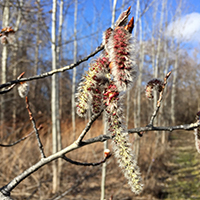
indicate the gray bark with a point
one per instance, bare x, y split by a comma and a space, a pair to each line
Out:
16, 46
5, 23
74, 70
54, 99
3, 197
58, 110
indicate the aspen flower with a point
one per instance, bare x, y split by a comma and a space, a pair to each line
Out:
91, 87
151, 85
23, 89
7, 35
121, 53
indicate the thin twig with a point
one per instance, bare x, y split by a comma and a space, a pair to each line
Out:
84, 163
159, 100
101, 138
87, 128
35, 128
50, 73
186, 127
18, 141
13, 85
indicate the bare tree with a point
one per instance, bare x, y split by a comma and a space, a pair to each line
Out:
74, 70
54, 99
6, 14
101, 90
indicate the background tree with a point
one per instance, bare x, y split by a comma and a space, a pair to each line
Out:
150, 156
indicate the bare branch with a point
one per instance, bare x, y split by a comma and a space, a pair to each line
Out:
87, 128
35, 128
50, 73
186, 127
101, 138
84, 163
13, 85
159, 100
18, 141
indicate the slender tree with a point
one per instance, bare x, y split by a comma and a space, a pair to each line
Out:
15, 50
54, 99
104, 166
74, 70
5, 23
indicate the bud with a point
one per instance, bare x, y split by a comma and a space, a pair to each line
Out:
7, 35
107, 153
23, 89
123, 18
151, 85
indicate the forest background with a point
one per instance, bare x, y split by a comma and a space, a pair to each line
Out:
166, 38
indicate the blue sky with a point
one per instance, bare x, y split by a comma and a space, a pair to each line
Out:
95, 17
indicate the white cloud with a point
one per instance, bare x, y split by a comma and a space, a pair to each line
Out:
186, 28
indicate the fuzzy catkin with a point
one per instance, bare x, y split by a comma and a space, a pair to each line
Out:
23, 89
90, 88
121, 54
153, 84
121, 145
126, 160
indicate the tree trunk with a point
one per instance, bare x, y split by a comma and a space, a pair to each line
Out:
103, 177
58, 110
74, 71
15, 50
157, 57
54, 99
37, 46
175, 73
5, 23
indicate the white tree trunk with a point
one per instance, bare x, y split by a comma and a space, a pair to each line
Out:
103, 177
54, 101
139, 83
128, 92
74, 71
15, 50
5, 23
173, 96
158, 53
175, 72
37, 45
58, 110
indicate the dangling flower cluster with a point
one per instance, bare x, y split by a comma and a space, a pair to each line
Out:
197, 134
114, 108
126, 159
120, 50
7, 35
104, 86
23, 89
153, 84
90, 89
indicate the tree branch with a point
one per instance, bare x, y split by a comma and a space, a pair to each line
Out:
159, 100
21, 139
87, 128
13, 85
50, 73
84, 163
35, 128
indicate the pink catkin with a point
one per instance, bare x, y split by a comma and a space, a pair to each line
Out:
120, 51
90, 89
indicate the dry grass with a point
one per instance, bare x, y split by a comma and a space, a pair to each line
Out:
84, 182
